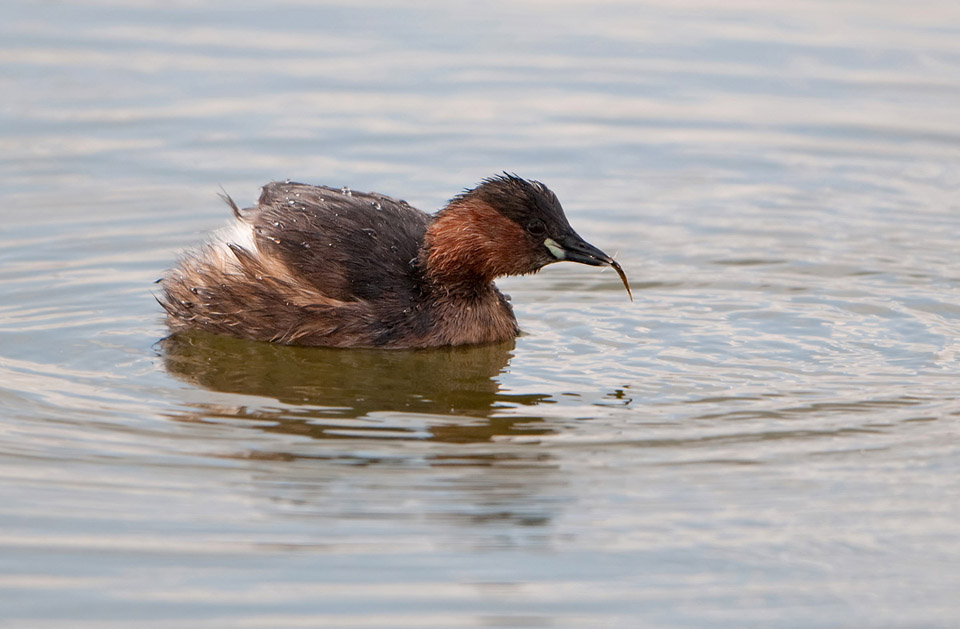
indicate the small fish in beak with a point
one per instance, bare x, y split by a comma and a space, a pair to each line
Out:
573, 248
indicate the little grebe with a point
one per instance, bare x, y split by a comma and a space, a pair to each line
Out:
311, 265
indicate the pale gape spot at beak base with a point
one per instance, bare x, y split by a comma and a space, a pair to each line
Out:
555, 249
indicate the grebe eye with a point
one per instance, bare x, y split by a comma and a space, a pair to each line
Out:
536, 227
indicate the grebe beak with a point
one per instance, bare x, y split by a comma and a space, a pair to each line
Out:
575, 249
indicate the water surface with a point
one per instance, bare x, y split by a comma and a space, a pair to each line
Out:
768, 436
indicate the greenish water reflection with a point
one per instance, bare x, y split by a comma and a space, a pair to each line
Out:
329, 385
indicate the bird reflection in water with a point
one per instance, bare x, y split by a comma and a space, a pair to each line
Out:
328, 386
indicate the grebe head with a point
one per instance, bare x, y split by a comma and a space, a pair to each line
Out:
518, 226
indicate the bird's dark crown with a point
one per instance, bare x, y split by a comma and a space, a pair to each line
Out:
529, 204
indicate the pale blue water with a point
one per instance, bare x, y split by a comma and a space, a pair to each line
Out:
769, 436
